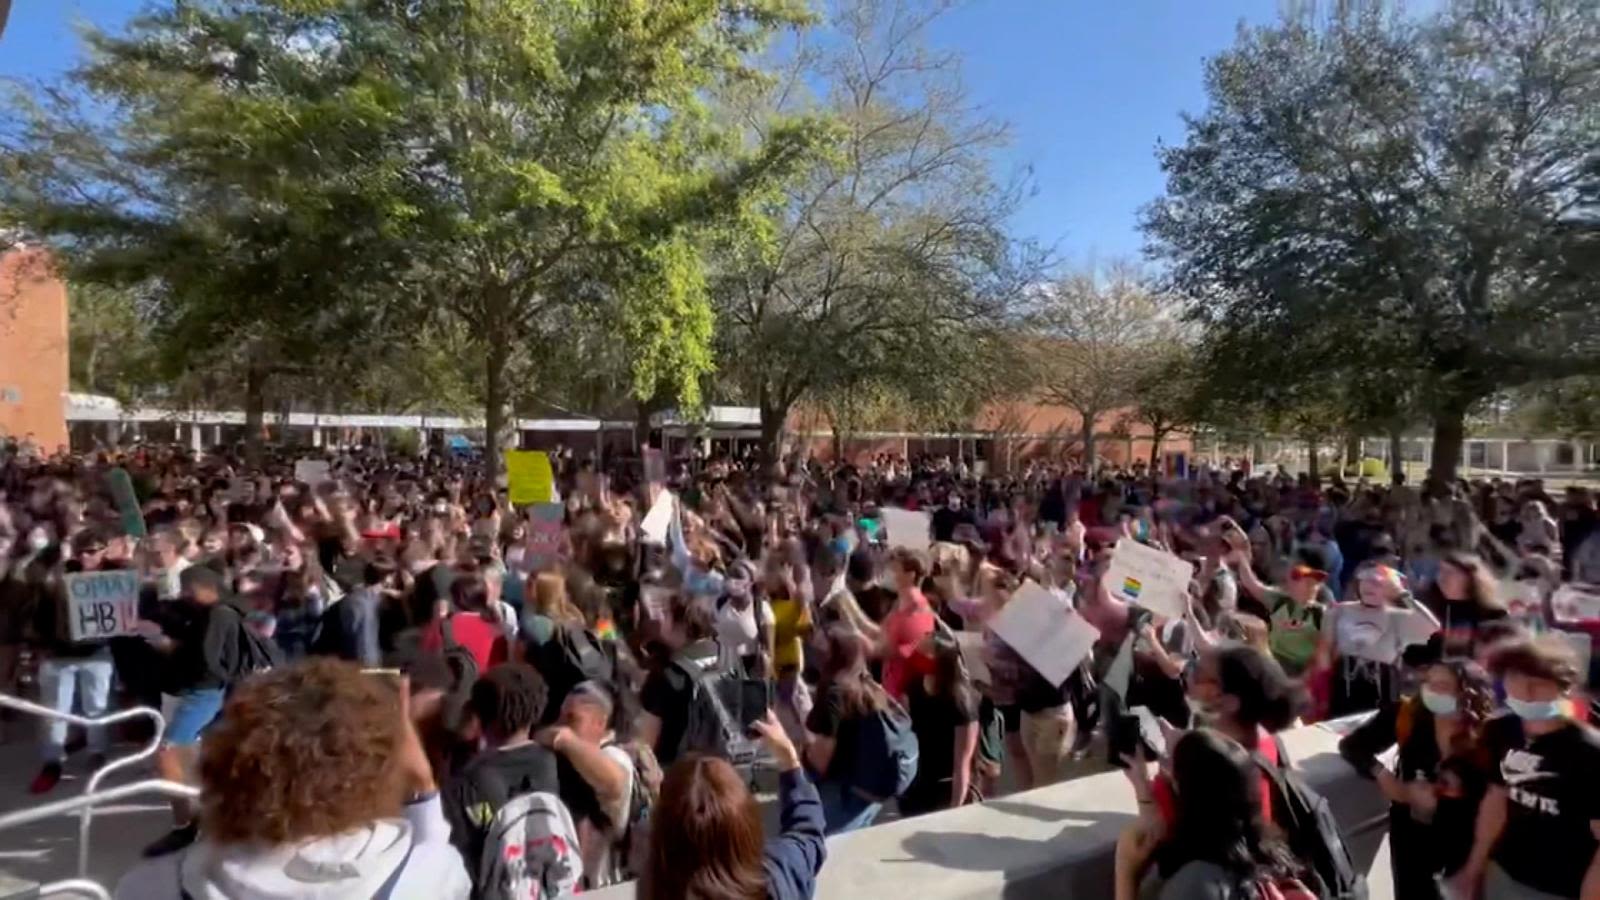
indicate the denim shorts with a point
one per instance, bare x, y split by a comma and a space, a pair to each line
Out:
188, 714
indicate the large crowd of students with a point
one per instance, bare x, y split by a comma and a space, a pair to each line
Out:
395, 682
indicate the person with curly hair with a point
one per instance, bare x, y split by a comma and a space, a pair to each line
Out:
313, 785
1441, 771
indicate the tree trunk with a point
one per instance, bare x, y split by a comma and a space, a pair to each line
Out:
494, 407
641, 427
1352, 451
1311, 460
1449, 432
772, 433
1157, 437
255, 411
838, 445
1086, 429
1397, 464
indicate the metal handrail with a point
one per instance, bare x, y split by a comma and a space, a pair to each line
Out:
75, 804
78, 887
86, 811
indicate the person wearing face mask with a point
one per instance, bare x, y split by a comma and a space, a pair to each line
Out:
1538, 828
1362, 641
744, 621
1441, 770
953, 514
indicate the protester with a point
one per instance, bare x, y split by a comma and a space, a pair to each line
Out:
314, 784
1293, 614
1537, 827
692, 657
849, 701
597, 779
908, 625
1463, 598
469, 621
1360, 653
715, 846
943, 706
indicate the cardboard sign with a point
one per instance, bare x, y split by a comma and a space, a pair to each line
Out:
121, 487
544, 534
1147, 577
658, 519
1045, 631
102, 604
1576, 603
529, 478
312, 472
908, 529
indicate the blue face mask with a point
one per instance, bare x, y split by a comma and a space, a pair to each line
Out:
1437, 703
1535, 711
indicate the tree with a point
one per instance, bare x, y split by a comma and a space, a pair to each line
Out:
887, 261
1373, 190
1093, 336
1168, 392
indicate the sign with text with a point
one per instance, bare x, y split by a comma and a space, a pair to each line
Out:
544, 534
312, 472
907, 528
1147, 577
658, 519
1576, 603
1045, 631
102, 604
529, 478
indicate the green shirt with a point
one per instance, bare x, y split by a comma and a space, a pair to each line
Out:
1294, 632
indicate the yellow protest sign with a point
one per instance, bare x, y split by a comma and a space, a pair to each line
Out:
528, 477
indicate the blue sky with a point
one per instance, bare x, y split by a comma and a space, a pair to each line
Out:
1089, 87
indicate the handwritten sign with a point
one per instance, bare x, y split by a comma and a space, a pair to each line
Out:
658, 519
1524, 602
1147, 577
1045, 632
907, 529
102, 604
1576, 603
529, 478
544, 534
311, 472
121, 487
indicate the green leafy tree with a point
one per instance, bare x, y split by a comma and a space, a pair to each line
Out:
1411, 194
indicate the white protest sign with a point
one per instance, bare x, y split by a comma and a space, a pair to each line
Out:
311, 472
1583, 649
1576, 603
1147, 577
1045, 631
1524, 602
971, 644
102, 604
658, 519
907, 528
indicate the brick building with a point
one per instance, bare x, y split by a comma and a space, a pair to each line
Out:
33, 349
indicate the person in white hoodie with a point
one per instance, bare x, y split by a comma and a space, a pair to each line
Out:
314, 786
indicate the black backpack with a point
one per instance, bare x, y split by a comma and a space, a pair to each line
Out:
712, 724
1311, 831
572, 656
255, 653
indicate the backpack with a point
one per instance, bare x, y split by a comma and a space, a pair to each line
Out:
256, 652
459, 660
530, 851
1312, 833
632, 837
886, 755
714, 698
572, 656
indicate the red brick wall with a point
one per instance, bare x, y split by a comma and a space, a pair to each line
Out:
33, 349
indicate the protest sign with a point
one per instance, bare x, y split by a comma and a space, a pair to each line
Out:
121, 487
312, 472
1524, 602
1576, 603
528, 477
1583, 649
544, 534
658, 519
971, 644
1045, 631
906, 528
102, 604
1147, 577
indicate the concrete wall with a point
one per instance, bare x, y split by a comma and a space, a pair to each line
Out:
33, 349
1054, 842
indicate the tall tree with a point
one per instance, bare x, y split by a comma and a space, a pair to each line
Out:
1418, 180
886, 261
1094, 333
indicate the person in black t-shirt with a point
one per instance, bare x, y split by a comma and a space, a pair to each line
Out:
1539, 823
507, 702
944, 715
847, 698
689, 631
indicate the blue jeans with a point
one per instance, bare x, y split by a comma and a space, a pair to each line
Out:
60, 681
845, 810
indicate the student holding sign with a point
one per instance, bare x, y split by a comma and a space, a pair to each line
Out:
74, 627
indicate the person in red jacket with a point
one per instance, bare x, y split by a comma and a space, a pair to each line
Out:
470, 621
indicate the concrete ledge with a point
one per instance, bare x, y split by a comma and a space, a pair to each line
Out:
1052, 842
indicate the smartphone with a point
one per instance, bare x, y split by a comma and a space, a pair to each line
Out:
1138, 727
755, 699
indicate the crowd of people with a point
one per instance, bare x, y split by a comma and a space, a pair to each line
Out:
395, 682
